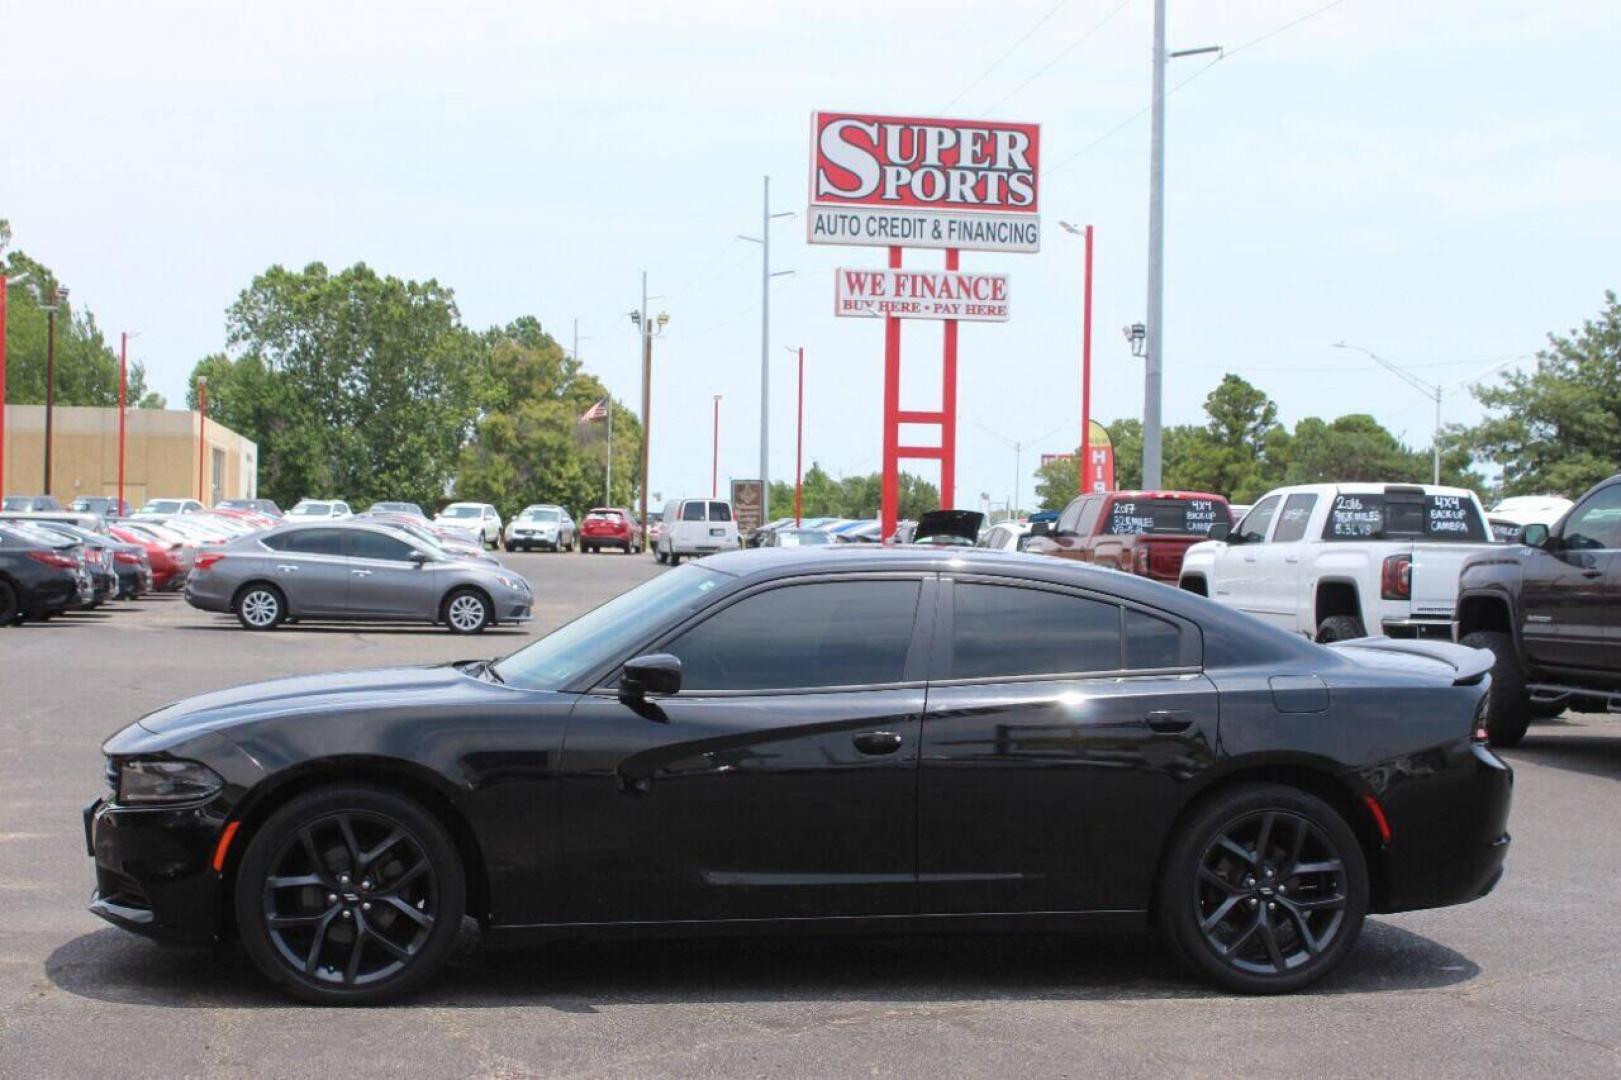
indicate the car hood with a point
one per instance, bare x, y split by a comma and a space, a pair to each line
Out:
344, 690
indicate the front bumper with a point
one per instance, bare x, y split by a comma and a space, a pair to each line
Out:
154, 872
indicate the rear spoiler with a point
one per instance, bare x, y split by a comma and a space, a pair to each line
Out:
1469, 665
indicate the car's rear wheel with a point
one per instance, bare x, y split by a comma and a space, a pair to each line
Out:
466, 611
1264, 890
260, 607
350, 895
660, 556
1339, 628
1508, 711
10, 611
675, 560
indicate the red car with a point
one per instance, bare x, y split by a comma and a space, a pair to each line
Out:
610, 527
168, 565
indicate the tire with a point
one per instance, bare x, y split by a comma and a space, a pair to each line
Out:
395, 927
1508, 708
1284, 945
1339, 628
1548, 710
260, 606
10, 608
466, 611
660, 557
675, 560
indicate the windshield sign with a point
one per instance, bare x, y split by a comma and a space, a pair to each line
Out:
1139, 517
1384, 517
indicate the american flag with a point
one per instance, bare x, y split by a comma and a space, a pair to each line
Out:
599, 411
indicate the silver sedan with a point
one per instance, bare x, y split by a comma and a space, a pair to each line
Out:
352, 570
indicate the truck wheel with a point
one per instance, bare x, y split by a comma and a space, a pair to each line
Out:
1508, 712
1339, 628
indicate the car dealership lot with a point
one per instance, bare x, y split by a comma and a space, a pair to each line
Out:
1521, 981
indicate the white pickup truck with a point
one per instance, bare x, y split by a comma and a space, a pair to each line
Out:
1340, 561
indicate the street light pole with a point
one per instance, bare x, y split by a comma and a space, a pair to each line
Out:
1152, 366
123, 382
60, 296
202, 428
647, 393
1429, 390
714, 454
799, 447
764, 240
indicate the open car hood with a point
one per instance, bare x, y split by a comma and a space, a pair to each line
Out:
955, 524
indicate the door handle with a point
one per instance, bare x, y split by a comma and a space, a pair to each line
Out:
361, 573
286, 568
1291, 558
1249, 558
1169, 721
1594, 572
877, 742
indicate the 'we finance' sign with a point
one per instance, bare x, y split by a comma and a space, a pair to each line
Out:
921, 294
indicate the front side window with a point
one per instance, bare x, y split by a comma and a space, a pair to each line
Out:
692, 511
1252, 530
1000, 631
843, 633
1596, 523
1294, 518
364, 544
1070, 520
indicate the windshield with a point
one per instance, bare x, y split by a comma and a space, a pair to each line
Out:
801, 537
1409, 517
309, 509
461, 512
163, 506
607, 632
1138, 517
546, 514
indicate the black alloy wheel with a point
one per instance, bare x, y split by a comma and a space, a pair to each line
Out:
1265, 890
350, 895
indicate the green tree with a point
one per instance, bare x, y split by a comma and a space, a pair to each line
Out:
1557, 428
1356, 447
366, 387
853, 496
86, 366
529, 443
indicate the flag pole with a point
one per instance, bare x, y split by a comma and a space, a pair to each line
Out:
608, 468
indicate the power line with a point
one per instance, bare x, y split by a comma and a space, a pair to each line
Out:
1071, 47
1039, 23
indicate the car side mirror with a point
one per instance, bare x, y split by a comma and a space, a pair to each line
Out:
419, 557
1537, 536
1041, 528
1221, 530
657, 673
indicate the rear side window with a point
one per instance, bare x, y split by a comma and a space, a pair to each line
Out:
719, 511
1294, 518
369, 545
1404, 517
1152, 642
1000, 631
1139, 517
692, 511
308, 542
847, 633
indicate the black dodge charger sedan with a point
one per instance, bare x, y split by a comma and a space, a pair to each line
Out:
834, 739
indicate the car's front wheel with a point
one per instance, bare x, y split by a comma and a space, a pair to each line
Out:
1508, 709
1264, 889
350, 895
261, 607
466, 611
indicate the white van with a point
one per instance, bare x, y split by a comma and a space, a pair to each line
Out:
695, 527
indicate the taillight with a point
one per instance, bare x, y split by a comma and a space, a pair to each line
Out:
208, 558
128, 558
1480, 733
1396, 579
52, 559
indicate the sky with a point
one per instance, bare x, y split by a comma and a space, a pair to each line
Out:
1435, 182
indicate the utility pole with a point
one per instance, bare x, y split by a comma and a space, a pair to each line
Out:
647, 392
123, 381
202, 442
1155, 356
714, 454
50, 376
764, 240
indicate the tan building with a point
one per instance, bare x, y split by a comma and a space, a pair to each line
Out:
160, 447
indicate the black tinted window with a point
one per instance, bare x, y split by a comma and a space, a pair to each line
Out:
719, 511
1292, 522
1596, 523
308, 542
370, 545
1136, 517
1001, 631
1152, 642
1414, 516
844, 633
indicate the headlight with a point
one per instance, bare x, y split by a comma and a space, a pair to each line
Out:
518, 584
147, 782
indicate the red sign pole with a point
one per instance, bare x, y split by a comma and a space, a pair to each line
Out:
948, 408
799, 447
123, 381
889, 511
1086, 372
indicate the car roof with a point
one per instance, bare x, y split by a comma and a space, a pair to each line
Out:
1368, 488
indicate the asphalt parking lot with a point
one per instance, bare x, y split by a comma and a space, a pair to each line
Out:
1521, 982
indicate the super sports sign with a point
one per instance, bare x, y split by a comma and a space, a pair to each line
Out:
896, 181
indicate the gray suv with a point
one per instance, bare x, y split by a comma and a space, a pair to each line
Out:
351, 570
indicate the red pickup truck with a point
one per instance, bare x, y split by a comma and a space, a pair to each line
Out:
1141, 532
